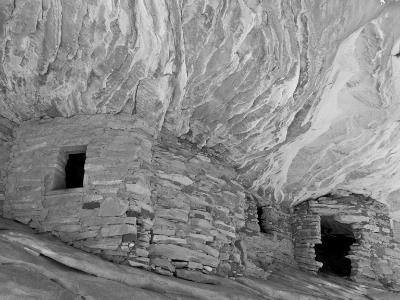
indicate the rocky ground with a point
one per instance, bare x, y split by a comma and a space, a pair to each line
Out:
38, 266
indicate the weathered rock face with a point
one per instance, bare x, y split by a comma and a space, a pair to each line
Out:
301, 95
62, 58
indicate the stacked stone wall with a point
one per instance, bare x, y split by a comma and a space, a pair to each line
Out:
205, 220
199, 208
396, 230
101, 216
306, 233
375, 257
267, 236
6, 137
159, 204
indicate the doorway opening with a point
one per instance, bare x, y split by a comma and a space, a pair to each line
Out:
336, 239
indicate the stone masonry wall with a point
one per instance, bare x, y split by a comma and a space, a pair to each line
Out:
205, 220
375, 257
6, 137
97, 217
306, 233
198, 209
266, 236
159, 204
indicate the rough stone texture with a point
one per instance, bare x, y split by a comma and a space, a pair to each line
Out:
39, 266
6, 137
267, 238
199, 207
375, 256
396, 230
207, 218
95, 217
300, 95
160, 204
278, 102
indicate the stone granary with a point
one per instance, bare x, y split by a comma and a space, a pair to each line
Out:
198, 138
347, 235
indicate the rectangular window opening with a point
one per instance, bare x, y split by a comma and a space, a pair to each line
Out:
75, 170
70, 168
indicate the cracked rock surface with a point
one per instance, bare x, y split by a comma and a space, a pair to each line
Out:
303, 96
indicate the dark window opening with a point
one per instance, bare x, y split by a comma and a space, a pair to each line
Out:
69, 169
75, 170
261, 217
336, 240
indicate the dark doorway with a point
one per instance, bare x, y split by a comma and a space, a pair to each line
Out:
336, 240
74, 170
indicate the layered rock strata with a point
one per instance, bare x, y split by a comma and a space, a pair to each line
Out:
302, 96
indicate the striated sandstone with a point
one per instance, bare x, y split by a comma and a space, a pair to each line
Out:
301, 96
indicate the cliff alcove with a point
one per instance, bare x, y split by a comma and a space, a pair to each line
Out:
207, 139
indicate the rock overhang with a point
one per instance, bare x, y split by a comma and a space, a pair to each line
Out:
301, 97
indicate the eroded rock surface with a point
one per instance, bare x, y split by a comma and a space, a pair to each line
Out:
301, 95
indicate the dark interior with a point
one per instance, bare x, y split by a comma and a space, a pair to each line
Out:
260, 218
336, 241
74, 170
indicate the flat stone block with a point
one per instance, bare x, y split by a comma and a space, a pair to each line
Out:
112, 230
162, 239
113, 207
173, 214
184, 180
138, 188
180, 253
